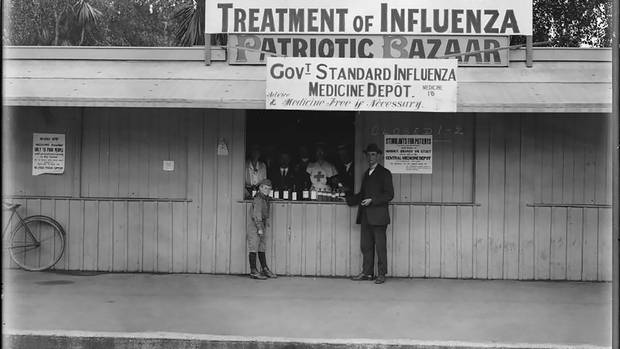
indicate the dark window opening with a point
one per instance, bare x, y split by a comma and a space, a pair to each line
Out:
306, 155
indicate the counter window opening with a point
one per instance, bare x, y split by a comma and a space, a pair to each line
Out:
308, 156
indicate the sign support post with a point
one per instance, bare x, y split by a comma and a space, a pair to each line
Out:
529, 51
207, 49
615, 154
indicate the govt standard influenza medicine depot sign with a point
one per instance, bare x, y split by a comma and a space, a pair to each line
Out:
361, 84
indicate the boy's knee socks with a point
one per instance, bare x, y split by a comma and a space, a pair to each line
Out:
252, 257
263, 260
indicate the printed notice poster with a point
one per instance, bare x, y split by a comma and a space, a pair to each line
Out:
48, 153
409, 154
301, 83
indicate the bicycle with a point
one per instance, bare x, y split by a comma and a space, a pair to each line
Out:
36, 242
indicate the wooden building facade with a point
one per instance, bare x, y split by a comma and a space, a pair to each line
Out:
521, 183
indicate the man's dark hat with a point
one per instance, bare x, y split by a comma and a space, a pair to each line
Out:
372, 147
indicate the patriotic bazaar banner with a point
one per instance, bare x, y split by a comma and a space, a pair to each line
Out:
254, 49
361, 84
414, 17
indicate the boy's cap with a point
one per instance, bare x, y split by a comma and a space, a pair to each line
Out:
266, 182
372, 147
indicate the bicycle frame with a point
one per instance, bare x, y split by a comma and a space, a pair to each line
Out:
14, 212
36, 242
8, 222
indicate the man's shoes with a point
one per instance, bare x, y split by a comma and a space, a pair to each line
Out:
267, 273
380, 279
254, 274
362, 277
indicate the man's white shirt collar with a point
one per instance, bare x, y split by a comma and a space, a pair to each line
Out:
372, 169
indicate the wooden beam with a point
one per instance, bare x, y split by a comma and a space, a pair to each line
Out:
96, 53
563, 54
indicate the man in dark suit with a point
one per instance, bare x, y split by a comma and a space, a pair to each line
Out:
302, 178
373, 214
345, 169
283, 176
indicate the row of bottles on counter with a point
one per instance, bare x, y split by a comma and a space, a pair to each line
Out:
306, 195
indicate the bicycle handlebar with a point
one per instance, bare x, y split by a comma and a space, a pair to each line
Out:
7, 206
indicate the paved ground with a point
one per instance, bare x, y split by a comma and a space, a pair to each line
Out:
558, 313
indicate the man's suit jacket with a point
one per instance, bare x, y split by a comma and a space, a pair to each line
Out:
346, 177
380, 189
282, 182
302, 178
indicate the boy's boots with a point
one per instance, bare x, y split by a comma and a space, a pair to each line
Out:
265, 269
254, 274
267, 273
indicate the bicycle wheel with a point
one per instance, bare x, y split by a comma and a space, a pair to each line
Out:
37, 243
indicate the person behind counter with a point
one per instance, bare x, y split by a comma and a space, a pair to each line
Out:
269, 157
345, 169
256, 232
321, 171
302, 179
375, 193
283, 175
255, 171
304, 158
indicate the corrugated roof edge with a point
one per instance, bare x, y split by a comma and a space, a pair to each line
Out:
197, 53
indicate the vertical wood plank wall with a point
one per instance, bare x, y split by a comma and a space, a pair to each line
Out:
541, 183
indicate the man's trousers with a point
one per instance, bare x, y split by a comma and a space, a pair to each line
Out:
373, 236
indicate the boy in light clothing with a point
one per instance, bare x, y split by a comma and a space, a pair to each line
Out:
256, 231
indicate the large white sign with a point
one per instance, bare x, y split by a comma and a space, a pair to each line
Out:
426, 17
409, 154
361, 84
48, 153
